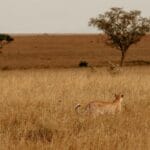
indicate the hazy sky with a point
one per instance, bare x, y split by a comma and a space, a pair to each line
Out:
58, 16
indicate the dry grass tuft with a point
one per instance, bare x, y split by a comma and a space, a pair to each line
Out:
37, 109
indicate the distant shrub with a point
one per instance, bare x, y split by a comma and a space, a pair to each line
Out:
6, 37
5, 68
83, 64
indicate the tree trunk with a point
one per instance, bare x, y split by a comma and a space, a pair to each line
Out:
122, 58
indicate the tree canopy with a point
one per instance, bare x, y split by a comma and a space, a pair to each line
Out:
123, 28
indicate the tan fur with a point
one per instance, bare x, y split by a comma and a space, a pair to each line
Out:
96, 108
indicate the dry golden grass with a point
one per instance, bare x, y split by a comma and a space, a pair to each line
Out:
37, 110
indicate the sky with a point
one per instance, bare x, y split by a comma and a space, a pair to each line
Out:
59, 16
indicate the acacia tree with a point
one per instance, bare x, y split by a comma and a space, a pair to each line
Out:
123, 28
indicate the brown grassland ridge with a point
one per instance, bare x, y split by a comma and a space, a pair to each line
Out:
48, 51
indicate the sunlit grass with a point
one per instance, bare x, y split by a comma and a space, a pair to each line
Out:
37, 109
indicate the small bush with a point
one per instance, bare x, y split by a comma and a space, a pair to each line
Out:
6, 37
5, 68
83, 64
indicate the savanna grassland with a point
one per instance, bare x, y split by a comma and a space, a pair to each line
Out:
37, 109
48, 51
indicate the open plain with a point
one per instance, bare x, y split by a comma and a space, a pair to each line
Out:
48, 51
37, 104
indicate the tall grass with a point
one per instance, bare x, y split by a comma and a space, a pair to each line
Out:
37, 110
